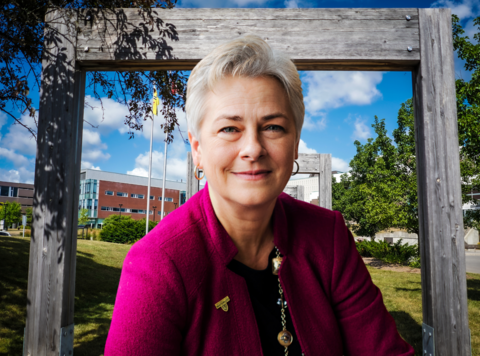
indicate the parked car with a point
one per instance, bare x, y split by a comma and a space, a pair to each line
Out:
4, 233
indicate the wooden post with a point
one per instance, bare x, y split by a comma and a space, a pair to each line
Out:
193, 184
325, 181
321, 164
51, 275
444, 292
296, 192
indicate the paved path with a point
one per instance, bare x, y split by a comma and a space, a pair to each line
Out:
473, 261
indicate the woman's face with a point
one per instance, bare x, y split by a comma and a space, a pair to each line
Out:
247, 141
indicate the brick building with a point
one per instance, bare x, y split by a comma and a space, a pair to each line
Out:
17, 192
106, 193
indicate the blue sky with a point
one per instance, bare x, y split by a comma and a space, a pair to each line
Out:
340, 108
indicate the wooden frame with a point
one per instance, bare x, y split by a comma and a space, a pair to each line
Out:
416, 40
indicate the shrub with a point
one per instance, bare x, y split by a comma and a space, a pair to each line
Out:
389, 253
123, 229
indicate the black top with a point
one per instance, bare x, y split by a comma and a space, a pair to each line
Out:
264, 294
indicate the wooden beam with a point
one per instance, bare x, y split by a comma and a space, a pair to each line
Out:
316, 39
51, 275
444, 292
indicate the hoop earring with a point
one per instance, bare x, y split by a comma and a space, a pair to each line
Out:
298, 168
195, 172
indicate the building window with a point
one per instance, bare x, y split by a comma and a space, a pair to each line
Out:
138, 196
4, 191
120, 194
152, 197
166, 198
108, 192
116, 209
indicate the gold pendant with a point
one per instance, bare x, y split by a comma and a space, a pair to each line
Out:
285, 338
223, 304
276, 262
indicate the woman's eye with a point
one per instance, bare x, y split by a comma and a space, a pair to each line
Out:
228, 130
274, 128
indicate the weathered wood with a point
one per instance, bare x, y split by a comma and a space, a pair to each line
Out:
297, 192
327, 39
444, 292
51, 276
325, 181
193, 184
340, 39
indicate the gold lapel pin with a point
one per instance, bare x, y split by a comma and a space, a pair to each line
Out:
223, 304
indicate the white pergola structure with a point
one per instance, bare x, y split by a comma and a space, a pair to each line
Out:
415, 40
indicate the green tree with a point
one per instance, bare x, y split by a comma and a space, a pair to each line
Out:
29, 213
124, 229
406, 165
468, 112
22, 39
371, 197
83, 217
11, 213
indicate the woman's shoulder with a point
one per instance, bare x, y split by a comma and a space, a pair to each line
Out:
306, 212
313, 227
179, 240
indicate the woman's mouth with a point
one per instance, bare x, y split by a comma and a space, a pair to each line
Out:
253, 175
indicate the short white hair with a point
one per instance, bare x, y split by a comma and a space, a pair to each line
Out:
248, 56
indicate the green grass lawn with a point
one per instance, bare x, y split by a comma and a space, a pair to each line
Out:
98, 271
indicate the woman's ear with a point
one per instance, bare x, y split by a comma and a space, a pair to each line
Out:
196, 150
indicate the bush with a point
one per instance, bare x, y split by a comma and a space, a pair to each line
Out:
123, 229
389, 253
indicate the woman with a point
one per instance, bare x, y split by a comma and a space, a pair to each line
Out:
210, 279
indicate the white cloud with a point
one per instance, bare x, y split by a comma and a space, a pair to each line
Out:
220, 3
176, 167
19, 138
3, 119
335, 89
292, 4
463, 9
330, 90
89, 165
339, 164
92, 138
108, 119
319, 124
176, 159
17, 159
302, 148
22, 175
362, 131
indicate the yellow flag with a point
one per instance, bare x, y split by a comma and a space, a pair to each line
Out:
156, 102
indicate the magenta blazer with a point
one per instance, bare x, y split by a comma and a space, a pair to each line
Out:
174, 276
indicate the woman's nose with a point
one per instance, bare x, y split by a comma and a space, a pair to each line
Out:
252, 148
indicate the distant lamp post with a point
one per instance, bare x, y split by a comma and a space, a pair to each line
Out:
120, 205
24, 222
175, 205
154, 207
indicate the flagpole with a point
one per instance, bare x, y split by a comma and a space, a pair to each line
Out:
164, 173
150, 168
